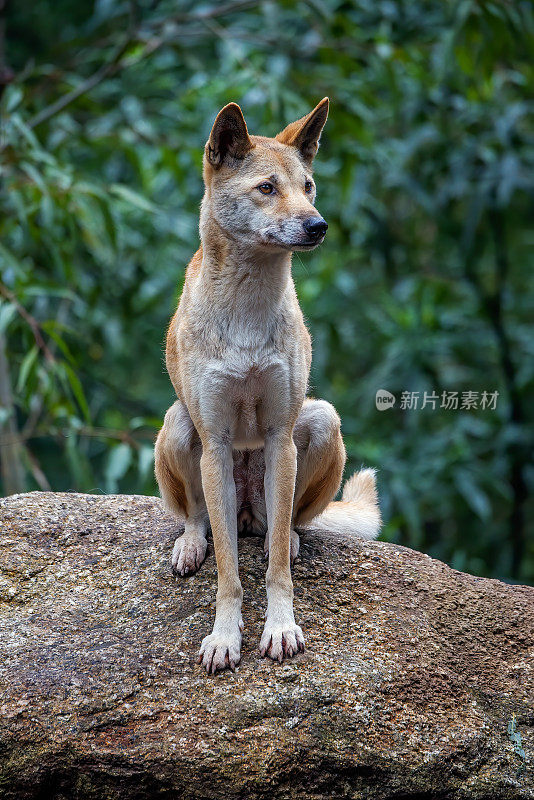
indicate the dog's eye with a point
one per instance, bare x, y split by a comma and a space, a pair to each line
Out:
308, 186
266, 188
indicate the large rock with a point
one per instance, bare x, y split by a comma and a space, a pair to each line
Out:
410, 679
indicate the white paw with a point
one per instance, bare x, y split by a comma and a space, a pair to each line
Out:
278, 641
188, 553
220, 651
294, 546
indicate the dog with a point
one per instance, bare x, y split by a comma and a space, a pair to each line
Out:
243, 448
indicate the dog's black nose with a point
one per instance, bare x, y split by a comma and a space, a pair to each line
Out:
315, 227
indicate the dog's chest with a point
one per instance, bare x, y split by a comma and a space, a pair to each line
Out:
254, 390
246, 367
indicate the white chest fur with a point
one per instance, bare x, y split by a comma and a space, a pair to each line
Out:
245, 352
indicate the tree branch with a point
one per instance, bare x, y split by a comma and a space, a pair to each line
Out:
32, 322
97, 77
218, 11
117, 63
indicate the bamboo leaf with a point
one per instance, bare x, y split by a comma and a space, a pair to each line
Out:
26, 367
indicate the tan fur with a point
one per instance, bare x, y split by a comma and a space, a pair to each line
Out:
242, 445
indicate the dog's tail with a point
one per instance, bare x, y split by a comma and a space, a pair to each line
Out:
357, 513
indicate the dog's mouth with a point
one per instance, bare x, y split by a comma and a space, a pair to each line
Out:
307, 244
303, 244
311, 242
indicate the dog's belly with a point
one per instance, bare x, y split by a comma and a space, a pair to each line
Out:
249, 471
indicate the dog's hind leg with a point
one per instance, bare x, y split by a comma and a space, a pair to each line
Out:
320, 459
177, 465
320, 462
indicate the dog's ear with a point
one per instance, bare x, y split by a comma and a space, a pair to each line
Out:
304, 134
229, 139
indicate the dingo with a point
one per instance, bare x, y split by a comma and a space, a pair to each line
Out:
242, 447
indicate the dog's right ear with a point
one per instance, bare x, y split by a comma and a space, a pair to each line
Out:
229, 139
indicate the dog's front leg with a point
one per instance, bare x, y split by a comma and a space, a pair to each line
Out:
281, 636
222, 647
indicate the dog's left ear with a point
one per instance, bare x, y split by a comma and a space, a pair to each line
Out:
304, 134
229, 139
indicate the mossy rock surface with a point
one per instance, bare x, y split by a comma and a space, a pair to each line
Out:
411, 676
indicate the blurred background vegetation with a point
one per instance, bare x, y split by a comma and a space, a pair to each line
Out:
424, 283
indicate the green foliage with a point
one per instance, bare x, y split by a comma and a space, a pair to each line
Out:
425, 176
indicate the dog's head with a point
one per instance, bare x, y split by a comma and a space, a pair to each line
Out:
260, 190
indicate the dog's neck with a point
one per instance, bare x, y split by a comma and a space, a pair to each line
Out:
232, 269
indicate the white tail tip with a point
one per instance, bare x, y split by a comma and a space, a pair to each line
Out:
357, 514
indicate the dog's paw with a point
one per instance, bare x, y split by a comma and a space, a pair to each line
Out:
188, 553
220, 651
294, 546
279, 641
